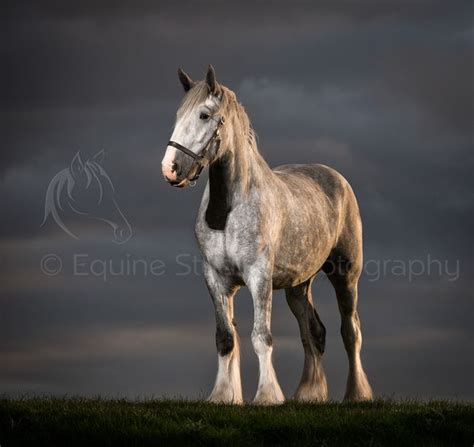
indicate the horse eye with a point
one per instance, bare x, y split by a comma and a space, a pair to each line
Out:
204, 116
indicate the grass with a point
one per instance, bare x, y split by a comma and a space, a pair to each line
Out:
90, 422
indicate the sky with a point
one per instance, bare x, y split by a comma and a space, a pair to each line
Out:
381, 91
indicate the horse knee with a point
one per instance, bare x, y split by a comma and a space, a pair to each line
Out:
262, 341
225, 340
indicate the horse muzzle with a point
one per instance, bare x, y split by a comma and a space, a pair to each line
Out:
173, 174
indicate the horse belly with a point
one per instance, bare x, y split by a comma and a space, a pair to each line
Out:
299, 258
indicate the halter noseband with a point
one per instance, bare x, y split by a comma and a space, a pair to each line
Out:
199, 156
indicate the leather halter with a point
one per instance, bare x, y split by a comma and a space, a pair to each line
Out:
200, 156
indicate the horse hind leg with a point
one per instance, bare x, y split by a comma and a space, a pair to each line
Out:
313, 385
344, 276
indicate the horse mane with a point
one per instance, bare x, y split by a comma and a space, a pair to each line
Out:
241, 142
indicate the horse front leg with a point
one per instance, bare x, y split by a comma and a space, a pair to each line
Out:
228, 387
259, 282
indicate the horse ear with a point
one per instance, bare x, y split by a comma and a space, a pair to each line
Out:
211, 79
99, 157
186, 81
76, 165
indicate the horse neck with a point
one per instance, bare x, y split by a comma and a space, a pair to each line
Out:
226, 189
240, 169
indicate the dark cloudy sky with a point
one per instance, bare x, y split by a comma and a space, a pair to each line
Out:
380, 90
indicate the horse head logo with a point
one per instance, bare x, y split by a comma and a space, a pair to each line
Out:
84, 189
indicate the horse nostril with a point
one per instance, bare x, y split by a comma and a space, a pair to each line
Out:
174, 167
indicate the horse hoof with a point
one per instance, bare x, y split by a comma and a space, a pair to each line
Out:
267, 402
275, 397
224, 399
310, 397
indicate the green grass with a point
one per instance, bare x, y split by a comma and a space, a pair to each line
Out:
88, 422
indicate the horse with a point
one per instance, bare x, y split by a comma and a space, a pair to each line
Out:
266, 229
85, 189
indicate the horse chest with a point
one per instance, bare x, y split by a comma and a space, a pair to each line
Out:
226, 251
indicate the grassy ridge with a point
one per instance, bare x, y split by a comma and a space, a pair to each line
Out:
88, 422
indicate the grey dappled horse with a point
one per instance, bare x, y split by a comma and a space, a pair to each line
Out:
266, 229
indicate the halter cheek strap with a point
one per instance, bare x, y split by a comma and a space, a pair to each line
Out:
199, 157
